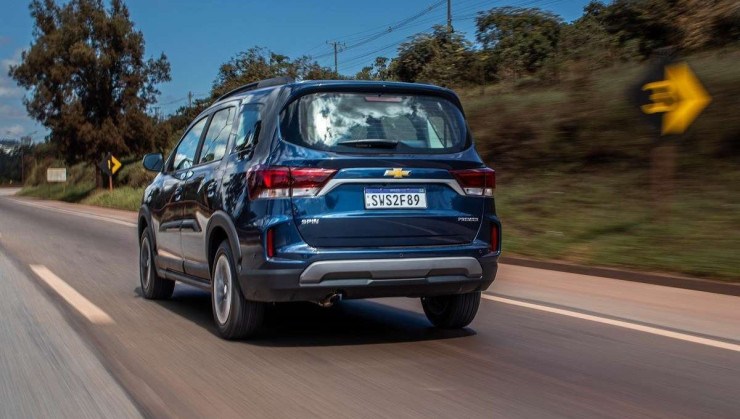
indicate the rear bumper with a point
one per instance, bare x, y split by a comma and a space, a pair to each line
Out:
370, 278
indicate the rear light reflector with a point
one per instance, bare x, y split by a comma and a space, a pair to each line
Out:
494, 238
476, 182
284, 182
309, 181
270, 243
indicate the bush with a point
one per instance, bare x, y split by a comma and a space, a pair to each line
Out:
133, 174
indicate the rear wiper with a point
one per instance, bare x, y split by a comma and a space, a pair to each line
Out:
370, 143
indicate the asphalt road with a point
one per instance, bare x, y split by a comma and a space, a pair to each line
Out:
544, 344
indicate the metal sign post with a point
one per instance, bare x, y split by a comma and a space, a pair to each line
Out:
109, 166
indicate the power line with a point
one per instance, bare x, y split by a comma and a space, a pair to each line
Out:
350, 62
361, 34
389, 29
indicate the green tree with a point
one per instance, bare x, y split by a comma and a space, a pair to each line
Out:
520, 40
90, 83
441, 57
377, 71
587, 41
259, 63
645, 25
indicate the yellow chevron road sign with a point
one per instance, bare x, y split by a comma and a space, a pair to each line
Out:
680, 97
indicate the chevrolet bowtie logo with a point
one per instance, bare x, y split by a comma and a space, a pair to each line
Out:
397, 173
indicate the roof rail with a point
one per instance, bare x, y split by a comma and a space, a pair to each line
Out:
275, 81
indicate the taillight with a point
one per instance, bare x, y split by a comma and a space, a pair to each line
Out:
477, 182
309, 181
283, 182
494, 238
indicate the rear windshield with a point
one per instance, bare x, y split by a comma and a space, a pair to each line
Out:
374, 123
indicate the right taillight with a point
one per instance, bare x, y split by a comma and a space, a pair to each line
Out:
476, 182
494, 237
284, 182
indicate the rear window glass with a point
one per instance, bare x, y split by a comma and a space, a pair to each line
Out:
374, 123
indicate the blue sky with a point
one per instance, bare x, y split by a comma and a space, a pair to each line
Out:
199, 35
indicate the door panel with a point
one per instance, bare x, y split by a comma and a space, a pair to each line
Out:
169, 247
198, 196
166, 213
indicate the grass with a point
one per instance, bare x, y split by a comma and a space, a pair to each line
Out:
613, 220
59, 192
125, 197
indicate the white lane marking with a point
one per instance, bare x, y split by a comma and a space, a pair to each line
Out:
619, 323
77, 213
92, 312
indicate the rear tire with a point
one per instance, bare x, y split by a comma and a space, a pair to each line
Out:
235, 316
451, 311
153, 287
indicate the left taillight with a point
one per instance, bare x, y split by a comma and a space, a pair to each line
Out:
283, 182
476, 182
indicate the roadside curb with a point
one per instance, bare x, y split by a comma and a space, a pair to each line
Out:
695, 284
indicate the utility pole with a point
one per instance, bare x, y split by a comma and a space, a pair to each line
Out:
190, 99
23, 154
449, 16
337, 48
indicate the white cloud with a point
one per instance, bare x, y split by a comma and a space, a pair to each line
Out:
12, 112
12, 130
15, 59
10, 91
8, 87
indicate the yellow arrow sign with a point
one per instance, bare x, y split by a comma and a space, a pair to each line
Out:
680, 97
114, 165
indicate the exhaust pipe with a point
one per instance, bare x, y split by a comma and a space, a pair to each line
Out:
330, 300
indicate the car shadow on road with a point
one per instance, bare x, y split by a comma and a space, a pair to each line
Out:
356, 322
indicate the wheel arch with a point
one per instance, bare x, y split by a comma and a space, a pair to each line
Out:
220, 228
144, 221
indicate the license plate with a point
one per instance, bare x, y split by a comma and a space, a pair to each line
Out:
392, 198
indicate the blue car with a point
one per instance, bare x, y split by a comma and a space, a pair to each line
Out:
321, 191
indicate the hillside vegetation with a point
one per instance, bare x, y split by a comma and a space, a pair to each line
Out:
574, 180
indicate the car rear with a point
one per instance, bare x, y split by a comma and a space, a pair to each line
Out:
387, 197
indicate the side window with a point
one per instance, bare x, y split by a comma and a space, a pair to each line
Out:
248, 119
184, 154
217, 136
